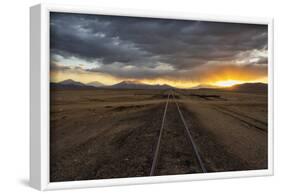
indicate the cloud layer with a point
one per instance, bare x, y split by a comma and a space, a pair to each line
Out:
146, 48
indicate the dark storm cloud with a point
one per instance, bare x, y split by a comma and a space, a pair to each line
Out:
88, 39
144, 43
55, 67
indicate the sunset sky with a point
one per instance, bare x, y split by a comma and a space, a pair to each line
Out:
181, 53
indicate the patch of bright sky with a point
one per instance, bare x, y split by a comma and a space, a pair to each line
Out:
164, 67
75, 62
251, 56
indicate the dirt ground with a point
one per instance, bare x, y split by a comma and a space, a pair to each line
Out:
106, 133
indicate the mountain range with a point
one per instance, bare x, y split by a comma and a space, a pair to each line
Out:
246, 87
138, 85
69, 83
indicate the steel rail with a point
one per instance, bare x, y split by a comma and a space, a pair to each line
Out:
156, 153
190, 137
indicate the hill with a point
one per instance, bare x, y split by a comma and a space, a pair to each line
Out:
69, 83
249, 88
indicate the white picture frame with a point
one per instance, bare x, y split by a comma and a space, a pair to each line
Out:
39, 100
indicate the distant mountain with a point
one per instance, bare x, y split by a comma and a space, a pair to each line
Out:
249, 87
204, 86
138, 85
96, 84
69, 83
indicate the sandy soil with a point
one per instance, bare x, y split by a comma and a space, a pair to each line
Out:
236, 127
98, 134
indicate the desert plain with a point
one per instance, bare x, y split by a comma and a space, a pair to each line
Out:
105, 133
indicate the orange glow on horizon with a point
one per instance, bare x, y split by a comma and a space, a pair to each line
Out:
220, 78
227, 83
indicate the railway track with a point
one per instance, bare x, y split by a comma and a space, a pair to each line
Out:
188, 136
156, 154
